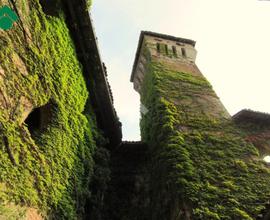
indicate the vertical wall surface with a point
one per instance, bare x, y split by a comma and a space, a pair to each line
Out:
48, 131
200, 166
194, 162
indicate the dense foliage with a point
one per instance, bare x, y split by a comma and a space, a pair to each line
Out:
50, 168
201, 166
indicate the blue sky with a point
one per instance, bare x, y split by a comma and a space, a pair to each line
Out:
233, 43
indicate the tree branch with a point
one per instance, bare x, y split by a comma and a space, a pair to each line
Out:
10, 155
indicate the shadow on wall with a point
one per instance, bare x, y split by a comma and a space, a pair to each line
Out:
50, 7
39, 118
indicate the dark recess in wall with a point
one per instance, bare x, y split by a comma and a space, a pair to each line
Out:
39, 118
50, 7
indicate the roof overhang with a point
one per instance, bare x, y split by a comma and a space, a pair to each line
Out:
249, 116
85, 40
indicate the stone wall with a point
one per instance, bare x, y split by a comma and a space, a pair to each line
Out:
200, 165
48, 129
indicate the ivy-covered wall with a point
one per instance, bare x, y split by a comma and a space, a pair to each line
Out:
196, 165
200, 166
47, 167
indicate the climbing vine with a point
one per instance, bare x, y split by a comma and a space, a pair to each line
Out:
201, 166
49, 169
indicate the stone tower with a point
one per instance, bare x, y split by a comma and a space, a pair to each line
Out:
199, 163
177, 54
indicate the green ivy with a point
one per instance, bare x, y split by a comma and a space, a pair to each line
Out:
200, 164
88, 4
52, 167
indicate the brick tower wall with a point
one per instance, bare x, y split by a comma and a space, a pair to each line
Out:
200, 165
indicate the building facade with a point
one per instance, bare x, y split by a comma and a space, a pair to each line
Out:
62, 154
201, 164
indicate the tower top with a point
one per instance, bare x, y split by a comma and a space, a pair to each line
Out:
158, 36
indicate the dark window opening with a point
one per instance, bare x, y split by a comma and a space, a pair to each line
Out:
158, 47
50, 7
39, 118
166, 49
183, 52
174, 51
